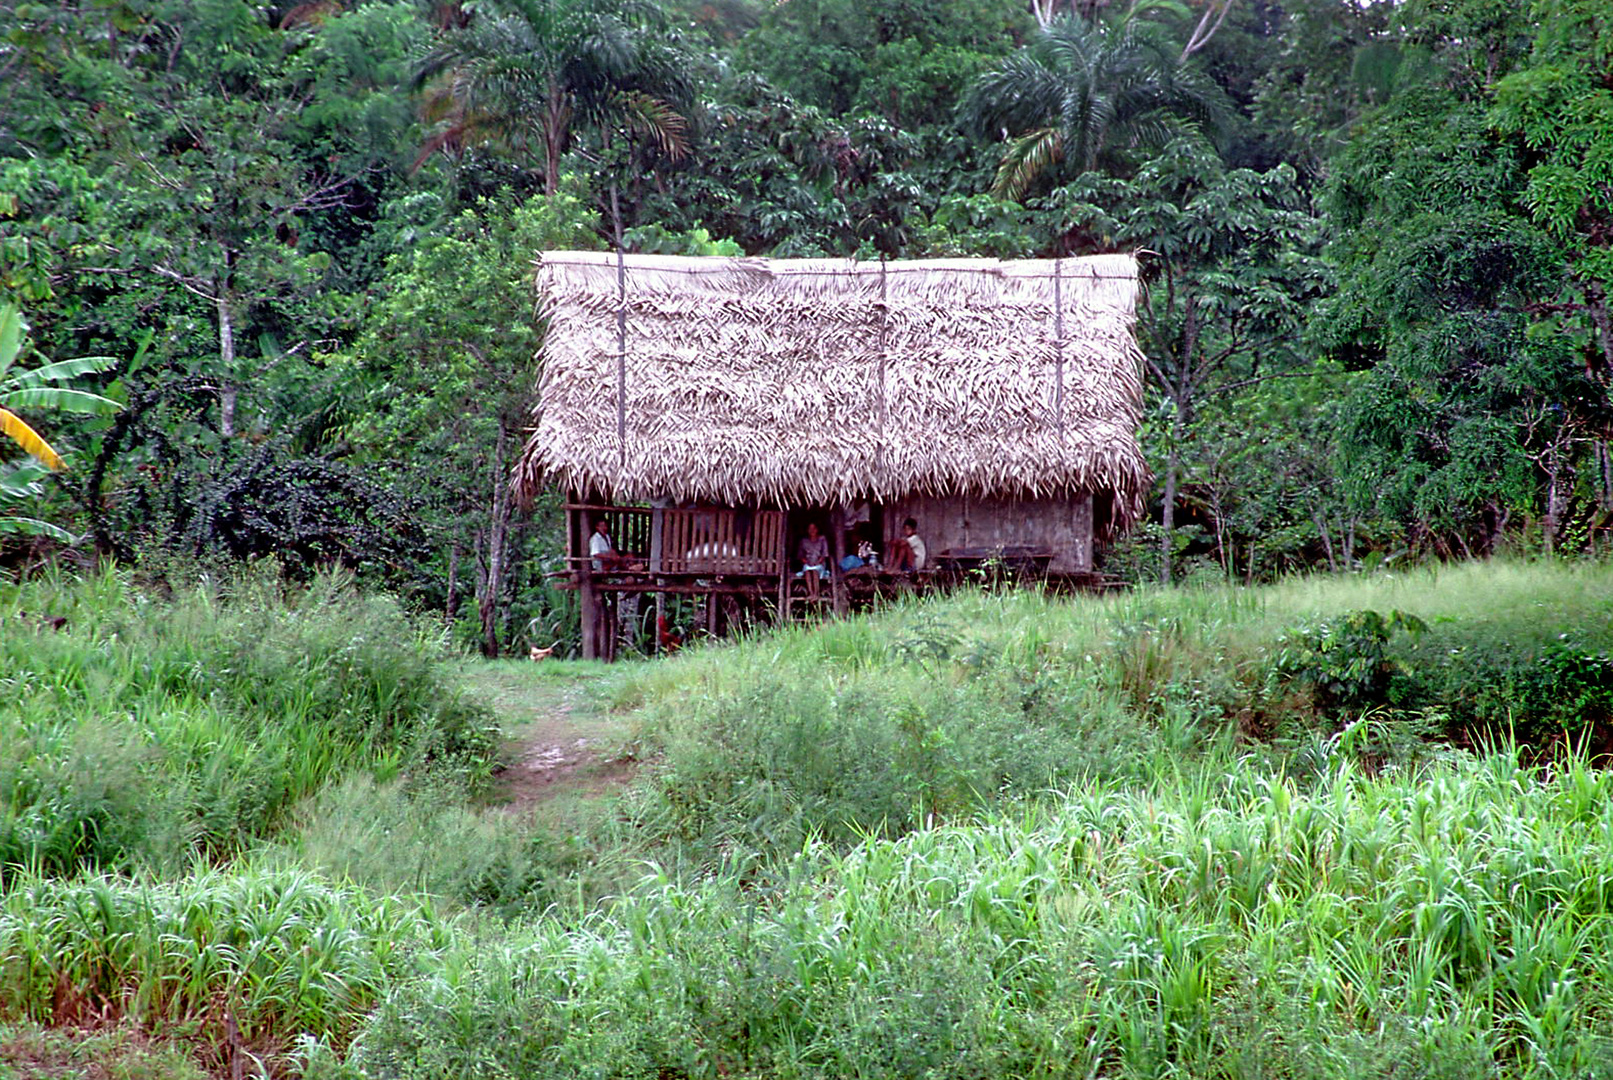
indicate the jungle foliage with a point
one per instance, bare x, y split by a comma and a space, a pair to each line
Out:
1377, 239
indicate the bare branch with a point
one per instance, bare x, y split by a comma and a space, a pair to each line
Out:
1241, 383
185, 282
1205, 30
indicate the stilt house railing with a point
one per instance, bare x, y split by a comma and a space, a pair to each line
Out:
681, 541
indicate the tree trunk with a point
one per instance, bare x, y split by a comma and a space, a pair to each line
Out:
1167, 512
1556, 497
451, 605
1604, 460
1596, 302
554, 137
498, 528
1181, 397
1327, 539
226, 358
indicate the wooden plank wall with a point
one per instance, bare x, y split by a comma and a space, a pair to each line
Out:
1062, 524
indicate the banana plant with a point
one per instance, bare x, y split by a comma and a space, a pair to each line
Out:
37, 388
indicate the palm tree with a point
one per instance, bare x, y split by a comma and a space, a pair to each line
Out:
528, 72
1087, 92
30, 390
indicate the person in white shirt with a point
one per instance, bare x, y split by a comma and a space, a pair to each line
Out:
602, 550
907, 552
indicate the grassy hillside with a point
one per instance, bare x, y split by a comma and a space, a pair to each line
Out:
1218, 833
940, 707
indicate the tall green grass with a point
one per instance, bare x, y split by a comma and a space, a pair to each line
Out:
394, 838
141, 731
1455, 921
246, 965
116, 1053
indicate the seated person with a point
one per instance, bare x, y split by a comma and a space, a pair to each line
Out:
907, 552
813, 554
603, 551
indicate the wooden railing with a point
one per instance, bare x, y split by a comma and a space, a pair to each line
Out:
629, 529
716, 541
721, 541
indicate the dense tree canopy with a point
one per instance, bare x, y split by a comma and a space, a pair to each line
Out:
1378, 241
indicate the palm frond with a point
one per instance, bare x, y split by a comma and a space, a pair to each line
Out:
1025, 159
1013, 96
653, 117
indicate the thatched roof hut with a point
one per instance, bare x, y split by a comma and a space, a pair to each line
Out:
742, 381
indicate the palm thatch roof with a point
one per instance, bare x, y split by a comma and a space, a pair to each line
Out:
823, 381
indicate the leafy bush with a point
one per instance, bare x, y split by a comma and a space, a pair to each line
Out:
1348, 659
1517, 680
1506, 671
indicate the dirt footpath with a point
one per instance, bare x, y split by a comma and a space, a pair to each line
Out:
558, 742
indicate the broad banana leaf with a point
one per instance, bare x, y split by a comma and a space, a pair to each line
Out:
29, 439
59, 398
61, 369
22, 481
21, 526
11, 328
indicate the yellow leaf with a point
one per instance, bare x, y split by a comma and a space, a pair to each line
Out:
30, 440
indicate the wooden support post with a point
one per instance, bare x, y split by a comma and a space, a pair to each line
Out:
837, 548
657, 540
590, 615
783, 568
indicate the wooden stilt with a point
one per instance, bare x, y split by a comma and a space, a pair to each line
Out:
784, 571
657, 543
590, 616
837, 547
